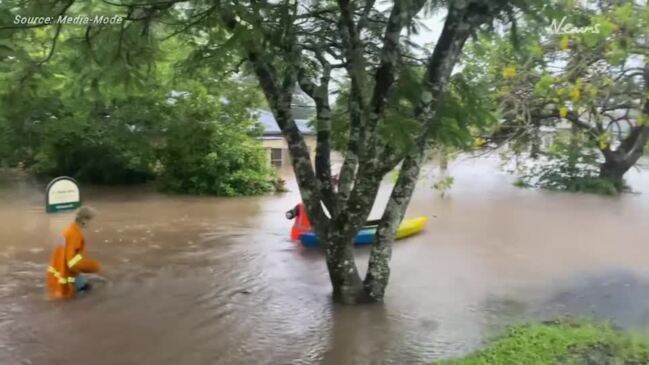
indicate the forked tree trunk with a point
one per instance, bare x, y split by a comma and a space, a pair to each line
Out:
378, 269
368, 158
456, 31
443, 159
613, 170
345, 279
618, 162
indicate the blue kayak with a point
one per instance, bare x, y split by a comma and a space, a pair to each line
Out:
363, 237
366, 235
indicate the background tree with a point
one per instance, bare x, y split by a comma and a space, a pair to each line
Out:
290, 44
466, 115
114, 115
288, 37
207, 146
596, 80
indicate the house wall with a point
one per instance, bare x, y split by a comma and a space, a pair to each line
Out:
279, 143
271, 143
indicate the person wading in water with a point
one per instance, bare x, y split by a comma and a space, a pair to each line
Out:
69, 259
301, 224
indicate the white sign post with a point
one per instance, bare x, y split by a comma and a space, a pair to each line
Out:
62, 194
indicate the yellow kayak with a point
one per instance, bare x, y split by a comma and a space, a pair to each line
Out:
411, 226
365, 236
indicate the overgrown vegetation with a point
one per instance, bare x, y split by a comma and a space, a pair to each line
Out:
443, 185
401, 100
562, 343
570, 164
465, 116
108, 144
291, 44
594, 79
103, 115
208, 158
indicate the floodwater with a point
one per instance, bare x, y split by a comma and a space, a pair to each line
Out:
195, 280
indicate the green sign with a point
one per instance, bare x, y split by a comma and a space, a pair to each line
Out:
62, 194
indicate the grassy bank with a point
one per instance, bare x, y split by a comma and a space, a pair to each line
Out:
562, 343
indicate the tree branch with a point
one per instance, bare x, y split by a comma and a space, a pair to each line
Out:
320, 95
279, 96
401, 15
369, 4
459, 24
143, 4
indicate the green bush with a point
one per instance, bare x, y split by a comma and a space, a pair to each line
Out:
109, 147
520, 183
562, 342
444, 184
571, 164
213, 156
99, 123
23, 116
5, 151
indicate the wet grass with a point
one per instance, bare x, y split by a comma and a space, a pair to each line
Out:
562, 342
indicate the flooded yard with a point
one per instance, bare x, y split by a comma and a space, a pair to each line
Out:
196, 280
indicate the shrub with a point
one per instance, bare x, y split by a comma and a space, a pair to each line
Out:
212, 158
99, 148
571, 164
562, 342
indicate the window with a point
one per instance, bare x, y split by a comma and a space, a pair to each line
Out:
276, 157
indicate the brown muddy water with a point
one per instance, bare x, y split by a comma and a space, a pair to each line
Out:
195, 280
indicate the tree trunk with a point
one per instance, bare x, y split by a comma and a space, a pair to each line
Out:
345, 280
614, 170
365, 162
456, 31
378, 270
443, 159
536, 141
618, 162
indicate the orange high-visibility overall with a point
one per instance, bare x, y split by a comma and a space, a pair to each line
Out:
68, 260
301, 224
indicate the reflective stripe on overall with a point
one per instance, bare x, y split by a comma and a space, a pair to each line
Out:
75, 260
302, 222
62, 279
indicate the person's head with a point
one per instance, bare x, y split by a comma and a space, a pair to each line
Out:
84, 215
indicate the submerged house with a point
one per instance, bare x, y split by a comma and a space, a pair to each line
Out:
274, 143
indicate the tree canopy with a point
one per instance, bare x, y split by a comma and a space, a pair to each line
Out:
586, 66
113, 103
398, 101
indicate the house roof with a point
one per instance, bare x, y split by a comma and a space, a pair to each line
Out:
268, 122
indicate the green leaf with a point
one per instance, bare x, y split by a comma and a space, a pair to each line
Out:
624, 14
591, 39
605, 26
543, 86
535, 49
565, 42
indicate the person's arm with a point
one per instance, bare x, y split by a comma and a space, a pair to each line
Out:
292, 213
75, 256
